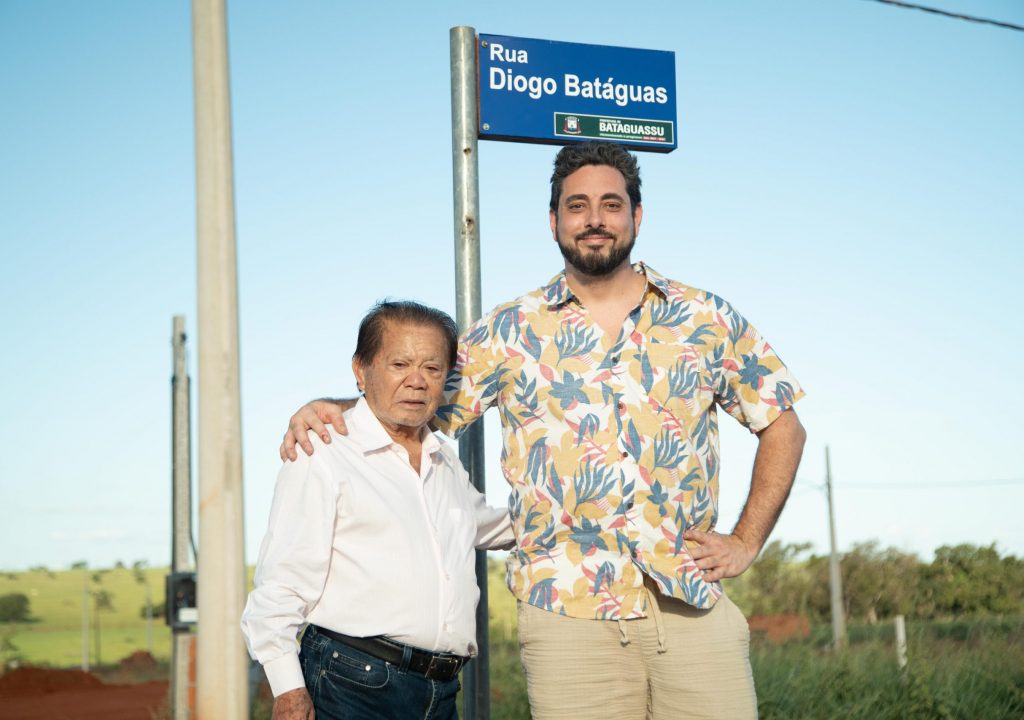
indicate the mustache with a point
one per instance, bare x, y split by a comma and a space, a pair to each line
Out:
595, 232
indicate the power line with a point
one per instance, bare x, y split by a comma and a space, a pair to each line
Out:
936, 11
959, 484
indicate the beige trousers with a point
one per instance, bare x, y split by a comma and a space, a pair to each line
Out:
677, 663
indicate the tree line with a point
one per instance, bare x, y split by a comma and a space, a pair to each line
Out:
879, 583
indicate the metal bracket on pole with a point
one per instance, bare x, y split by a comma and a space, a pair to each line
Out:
465, 170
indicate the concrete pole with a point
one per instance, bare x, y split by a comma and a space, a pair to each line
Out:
223, 665
835, 577
181, 510
476, 681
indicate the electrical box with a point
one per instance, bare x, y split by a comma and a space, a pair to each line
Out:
181, 601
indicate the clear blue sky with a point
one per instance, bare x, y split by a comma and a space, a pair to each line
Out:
850, 175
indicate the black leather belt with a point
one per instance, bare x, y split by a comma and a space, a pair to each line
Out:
433, 666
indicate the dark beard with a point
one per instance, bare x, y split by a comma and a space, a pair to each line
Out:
592, 263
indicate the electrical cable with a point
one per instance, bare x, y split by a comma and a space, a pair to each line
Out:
958, 16
963, 485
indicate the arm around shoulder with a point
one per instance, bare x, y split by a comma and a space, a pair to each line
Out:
314, 415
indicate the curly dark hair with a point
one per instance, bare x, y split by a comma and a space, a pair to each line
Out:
595, 152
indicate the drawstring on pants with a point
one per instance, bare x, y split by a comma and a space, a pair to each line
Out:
658, 622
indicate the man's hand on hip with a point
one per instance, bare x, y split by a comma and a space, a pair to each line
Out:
293, 705
315, 416
720, 556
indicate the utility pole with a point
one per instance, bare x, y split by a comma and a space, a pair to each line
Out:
149, 621
97, 635
85, 620
835, 577
181, 513
466, 203
222, 672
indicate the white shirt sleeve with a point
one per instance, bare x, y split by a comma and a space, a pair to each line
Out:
493, 525
292, 567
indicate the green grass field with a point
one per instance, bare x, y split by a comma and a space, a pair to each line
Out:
970, 668
55, 636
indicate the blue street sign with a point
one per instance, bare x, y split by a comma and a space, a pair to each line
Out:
544, 91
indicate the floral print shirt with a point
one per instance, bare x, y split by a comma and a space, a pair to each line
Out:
610, 444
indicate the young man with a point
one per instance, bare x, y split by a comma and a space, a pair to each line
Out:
607, 380
371, 542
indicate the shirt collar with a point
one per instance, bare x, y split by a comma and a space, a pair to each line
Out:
365, 430
557, 291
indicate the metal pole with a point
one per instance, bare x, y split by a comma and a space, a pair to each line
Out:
901, 642
835, 577
222, 662
149, 621
466, 200
85, 620
181, 509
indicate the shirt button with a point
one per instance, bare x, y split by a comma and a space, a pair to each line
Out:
625, 455
629, 505
622, 407
615, 358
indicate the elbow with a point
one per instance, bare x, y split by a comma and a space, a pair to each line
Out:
787, 430
799, 434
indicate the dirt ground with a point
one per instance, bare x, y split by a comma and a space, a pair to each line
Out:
30, 693
779, 628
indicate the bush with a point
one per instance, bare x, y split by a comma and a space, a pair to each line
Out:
14, 607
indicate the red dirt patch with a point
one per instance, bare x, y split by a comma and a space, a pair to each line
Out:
31, 681
30, 693
138, 661
781, 627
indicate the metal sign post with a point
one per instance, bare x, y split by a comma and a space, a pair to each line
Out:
465, 166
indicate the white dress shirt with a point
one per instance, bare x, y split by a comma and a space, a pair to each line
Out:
360, 544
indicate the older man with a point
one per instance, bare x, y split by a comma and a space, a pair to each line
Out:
371, 543
607, 380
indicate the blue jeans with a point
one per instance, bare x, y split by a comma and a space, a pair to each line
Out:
348, 684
